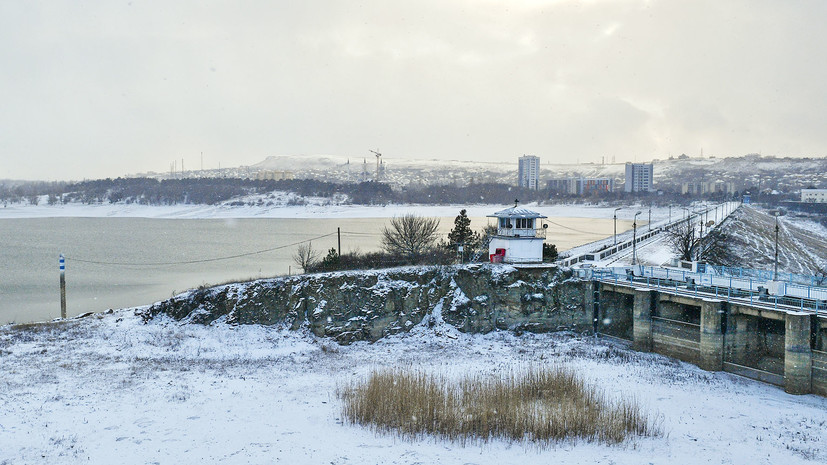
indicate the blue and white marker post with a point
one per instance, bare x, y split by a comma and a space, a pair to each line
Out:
62, 286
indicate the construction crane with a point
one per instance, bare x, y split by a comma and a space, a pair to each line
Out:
378, 157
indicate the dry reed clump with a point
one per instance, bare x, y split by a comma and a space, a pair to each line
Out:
536, 404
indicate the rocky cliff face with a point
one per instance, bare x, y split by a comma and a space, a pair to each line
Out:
368, 305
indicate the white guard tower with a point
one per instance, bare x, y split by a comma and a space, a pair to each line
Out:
518, 239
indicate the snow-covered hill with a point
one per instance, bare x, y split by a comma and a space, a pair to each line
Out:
747, 171
750, 242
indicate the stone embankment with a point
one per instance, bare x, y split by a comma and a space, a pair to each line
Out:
369, 305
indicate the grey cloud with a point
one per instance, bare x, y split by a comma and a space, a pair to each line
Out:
106, 88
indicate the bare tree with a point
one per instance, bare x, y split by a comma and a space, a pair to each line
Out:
688, 245
820, 275
305, 256
683, 239
410, 235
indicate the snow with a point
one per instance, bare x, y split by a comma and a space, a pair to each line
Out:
314, 208
110, 389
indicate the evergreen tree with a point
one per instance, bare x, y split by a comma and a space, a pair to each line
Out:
332, 260
462, 233
549, 252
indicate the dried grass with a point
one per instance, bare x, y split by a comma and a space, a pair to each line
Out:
535, 404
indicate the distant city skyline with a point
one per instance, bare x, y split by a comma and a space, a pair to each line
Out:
104, 89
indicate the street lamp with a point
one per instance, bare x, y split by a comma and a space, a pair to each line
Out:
688, 231
634, 238
775, 270
615, 217
649, 224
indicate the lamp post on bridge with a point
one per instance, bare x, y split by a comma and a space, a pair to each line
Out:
634, 238
615, 218
775, 269
649, 224
688, 226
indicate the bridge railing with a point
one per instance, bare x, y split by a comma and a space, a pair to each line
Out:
746, 290
766, 275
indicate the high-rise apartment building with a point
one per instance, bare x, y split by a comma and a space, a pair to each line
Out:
639, 177
528, 172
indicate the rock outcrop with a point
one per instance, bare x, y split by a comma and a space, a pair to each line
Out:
368, 305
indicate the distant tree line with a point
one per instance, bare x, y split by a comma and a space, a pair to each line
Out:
211, 191
203, 191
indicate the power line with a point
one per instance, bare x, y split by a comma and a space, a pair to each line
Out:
575, 230
205, 260
349, 233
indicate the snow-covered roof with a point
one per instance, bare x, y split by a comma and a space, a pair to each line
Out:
516, 212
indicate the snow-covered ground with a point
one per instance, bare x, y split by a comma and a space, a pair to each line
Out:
312, 207
802, 243
110, 389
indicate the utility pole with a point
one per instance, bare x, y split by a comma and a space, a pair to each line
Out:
634, 238
339, 237
775, 270
62, 262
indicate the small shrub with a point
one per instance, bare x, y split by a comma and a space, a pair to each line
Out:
540, 405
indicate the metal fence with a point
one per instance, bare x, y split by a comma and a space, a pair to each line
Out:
766, 275
743, 289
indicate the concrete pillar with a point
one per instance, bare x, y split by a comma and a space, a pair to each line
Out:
712, 338
642, 320
588, 297
798, 365
739, 339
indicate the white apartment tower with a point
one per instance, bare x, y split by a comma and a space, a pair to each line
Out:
528, 173
639, 177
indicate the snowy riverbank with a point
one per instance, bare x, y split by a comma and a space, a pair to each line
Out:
110, 389
312, 208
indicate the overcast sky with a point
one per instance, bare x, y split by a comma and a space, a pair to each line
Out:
107, 88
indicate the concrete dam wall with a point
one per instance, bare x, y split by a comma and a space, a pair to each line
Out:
785, 347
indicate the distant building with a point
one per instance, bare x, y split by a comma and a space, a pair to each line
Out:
814, 195
581, 186
560, 186
588, 186
528, 172
274, 175
713, 187
639, 177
